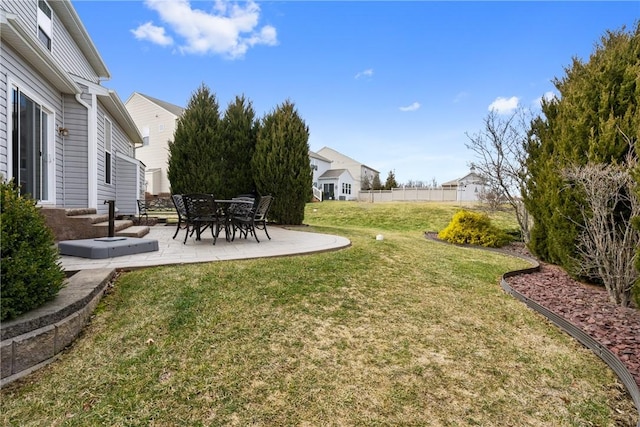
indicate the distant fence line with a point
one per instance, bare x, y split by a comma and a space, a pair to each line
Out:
409, 194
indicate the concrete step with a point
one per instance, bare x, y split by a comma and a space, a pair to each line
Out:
118, 225
134, 231
92, 218
80, 211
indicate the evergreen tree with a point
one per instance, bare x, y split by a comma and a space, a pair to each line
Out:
281, 163
195, 162
391, 181
365, 184
239, 131
599, 104
636, 224
375, 182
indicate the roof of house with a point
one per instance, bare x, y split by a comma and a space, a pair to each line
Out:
332, 173
19, 37
315, 155
172, 108
350, 158
454, 182
113, 103
67, 14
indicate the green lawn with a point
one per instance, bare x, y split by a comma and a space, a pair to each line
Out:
403, 331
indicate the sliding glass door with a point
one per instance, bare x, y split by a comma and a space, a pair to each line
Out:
32, 126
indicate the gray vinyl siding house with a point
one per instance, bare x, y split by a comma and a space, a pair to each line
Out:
66, 139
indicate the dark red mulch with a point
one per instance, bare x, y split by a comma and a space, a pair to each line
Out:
586, 306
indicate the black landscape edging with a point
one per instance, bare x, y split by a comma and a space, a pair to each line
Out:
614, 363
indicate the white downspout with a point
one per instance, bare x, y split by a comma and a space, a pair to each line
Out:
92, 148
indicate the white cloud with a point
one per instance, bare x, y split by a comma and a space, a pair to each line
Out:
548, 96
366, 73
152, 33
230, 29
504, 105
412, 107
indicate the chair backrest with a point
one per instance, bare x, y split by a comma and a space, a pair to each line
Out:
142, 207
262, 209
242, 208
200, 205
178, 202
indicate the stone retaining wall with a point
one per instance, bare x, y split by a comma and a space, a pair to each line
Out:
36, 338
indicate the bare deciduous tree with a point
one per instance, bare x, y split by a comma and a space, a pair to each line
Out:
608, 243
501, 156
493, 197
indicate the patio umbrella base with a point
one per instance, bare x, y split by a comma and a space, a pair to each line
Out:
106, 247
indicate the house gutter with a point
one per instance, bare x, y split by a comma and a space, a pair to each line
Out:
92, 183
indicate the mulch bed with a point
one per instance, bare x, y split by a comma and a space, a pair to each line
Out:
585, 306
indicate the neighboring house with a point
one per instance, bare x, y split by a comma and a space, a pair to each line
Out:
357, 170
337, 184
468, 188
319, 165
67, 140
156, 121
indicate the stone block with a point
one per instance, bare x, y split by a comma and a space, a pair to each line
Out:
6, 358
33, 348
67, 330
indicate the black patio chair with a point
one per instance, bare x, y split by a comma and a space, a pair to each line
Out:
241, 206
203, 213
254, 219
142, 210
178, 202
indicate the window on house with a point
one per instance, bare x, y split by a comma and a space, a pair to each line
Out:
107, 150
44, 7
44, 38
346, 188
44, 24
145, 136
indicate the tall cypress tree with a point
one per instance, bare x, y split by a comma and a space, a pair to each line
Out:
391, 182
599, 104
281, 164
194, 164
239, 132
375, 182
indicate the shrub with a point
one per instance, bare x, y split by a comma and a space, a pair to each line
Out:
475, 229
31, 274
280, 163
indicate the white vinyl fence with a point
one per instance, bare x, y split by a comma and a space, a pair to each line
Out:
409, 194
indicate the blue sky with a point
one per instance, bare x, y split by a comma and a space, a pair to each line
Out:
395, 85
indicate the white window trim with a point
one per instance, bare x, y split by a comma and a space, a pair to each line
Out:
45, 23
51, 138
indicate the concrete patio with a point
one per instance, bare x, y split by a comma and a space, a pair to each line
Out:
36, 338
283, 242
